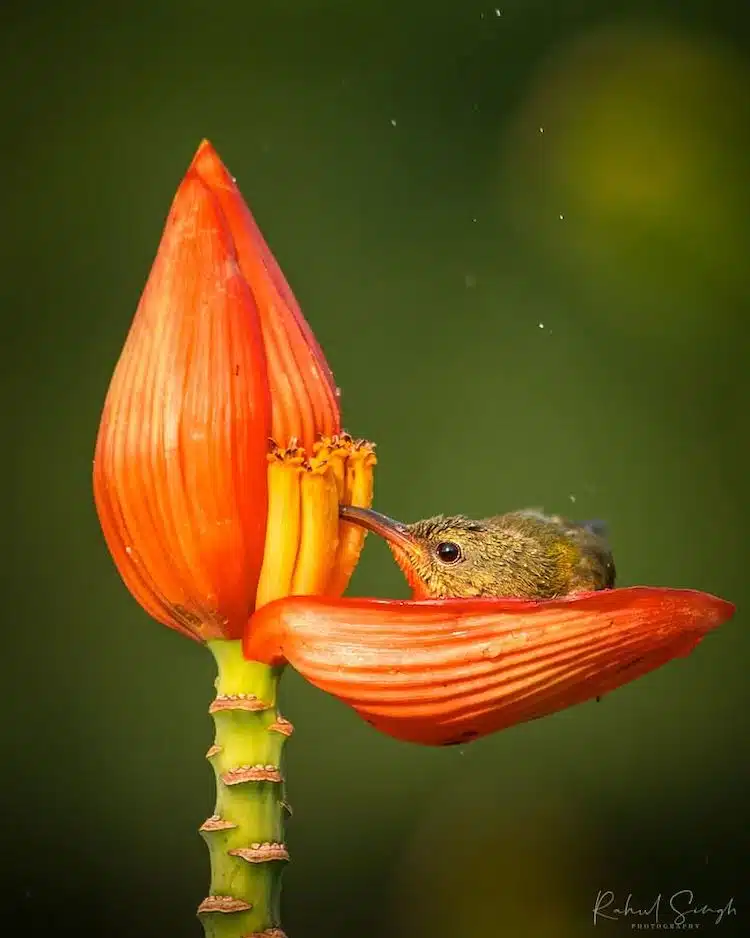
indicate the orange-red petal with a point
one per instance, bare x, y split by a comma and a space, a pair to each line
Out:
180, 462
303, 392
447, 671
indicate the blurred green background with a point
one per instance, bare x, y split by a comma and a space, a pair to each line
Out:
521, 236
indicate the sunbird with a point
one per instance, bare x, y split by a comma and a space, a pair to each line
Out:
524, 554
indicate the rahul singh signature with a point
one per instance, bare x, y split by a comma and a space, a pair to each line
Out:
681, 909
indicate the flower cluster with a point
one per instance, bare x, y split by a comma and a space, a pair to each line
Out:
219, 471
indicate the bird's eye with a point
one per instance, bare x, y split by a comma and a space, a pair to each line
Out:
448, 552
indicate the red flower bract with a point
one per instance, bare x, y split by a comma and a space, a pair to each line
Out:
447, 671
220, 405
180, 465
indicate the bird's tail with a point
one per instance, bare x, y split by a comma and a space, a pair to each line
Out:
596, 526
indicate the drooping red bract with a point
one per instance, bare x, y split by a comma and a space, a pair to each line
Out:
447, 671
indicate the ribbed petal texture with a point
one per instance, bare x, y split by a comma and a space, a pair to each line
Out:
447, 671
220, 374
180, 462
304, 397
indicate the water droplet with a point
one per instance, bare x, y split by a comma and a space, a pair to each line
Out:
393, 122
561, 217
541, 130
572, 498
541, 325
338, 393
498, 12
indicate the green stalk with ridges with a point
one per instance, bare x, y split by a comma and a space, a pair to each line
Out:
245, 834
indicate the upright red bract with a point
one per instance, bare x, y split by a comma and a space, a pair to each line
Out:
220, 407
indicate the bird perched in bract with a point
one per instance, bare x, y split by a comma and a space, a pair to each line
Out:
514, 620
525, 554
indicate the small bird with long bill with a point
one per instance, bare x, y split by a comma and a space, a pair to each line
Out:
524, 554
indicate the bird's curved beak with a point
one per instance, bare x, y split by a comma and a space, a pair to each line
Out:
396, 533
408, 551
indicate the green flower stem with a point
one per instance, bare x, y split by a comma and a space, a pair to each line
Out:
245, 834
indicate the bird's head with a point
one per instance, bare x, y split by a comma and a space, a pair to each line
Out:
523, 554
444, 556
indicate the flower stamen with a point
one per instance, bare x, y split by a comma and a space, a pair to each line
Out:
320, 526
283, 525
357, 491
308, 550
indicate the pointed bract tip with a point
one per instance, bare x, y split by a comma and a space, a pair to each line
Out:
715, 611
304, 404
209, 166
205, 153
205, 149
